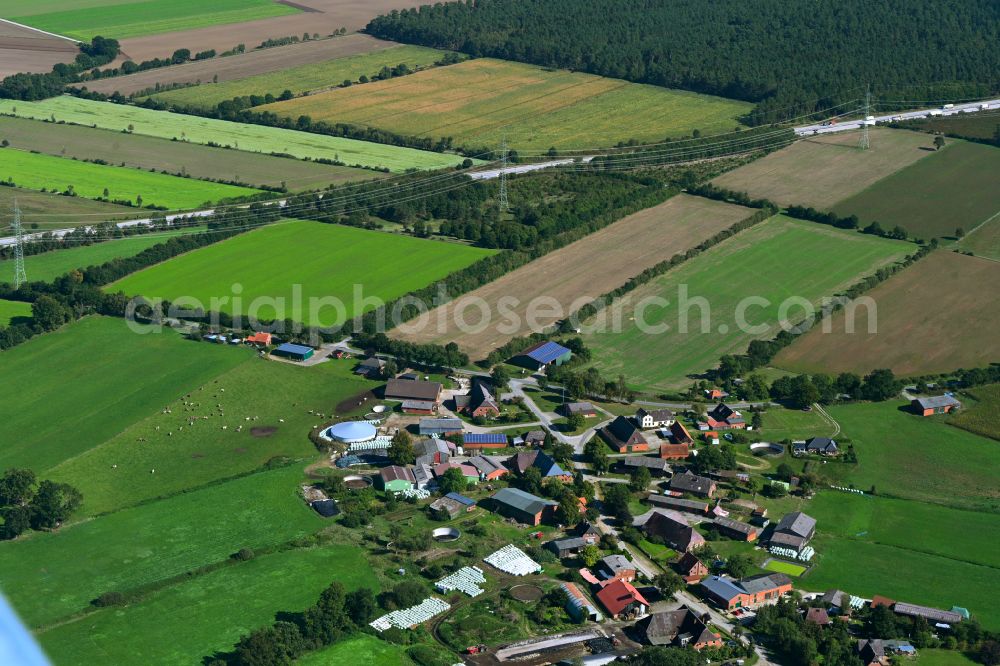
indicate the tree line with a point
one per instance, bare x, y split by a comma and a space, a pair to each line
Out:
29, 87
789, 58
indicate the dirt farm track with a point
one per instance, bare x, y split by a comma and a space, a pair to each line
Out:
322, 16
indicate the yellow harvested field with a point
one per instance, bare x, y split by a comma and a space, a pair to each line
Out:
824, 170
576, 274
474, 101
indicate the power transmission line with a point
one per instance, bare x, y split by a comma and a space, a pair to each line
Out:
20, 277
865, 142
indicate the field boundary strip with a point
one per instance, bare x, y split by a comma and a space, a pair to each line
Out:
44, 32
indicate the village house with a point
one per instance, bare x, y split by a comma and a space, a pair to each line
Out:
622, 600
543, 461
413, 389
470, 473
453, 504
566, 547
728, 593
688, 482
486, 440
479, 402
872, 652
679, 441
534, 438
793, 531
422, 407
523, 507
655, 418
395, 478
431, 427
587, 531
656, 466
939, 404
678, 503
671, 528
723, 417
716, 394
818, 616
584, 409
818, 446
837, 602
371, 368
622, 436
690, 568
679, 628
489, 468
616, 566
260, 339
734, 529
423, 475
432, 451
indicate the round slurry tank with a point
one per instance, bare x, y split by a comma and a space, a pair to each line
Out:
446, 534
767, 449
357, 482
351, 432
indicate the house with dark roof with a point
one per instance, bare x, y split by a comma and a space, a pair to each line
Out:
690, 568
653, 418
523, 507
837, 602
453, 504
728, 593
441, 427
933, 615
622, 600
566, 547
371, 368
534, 438
541, 460
818, 616
819, 446
616, 566
587, 531
422, 407
413, 389
671, 528
939, 404
679, 441
724, 417
678, 503
793, 531
432, 451
688, 482
584, 409
656, 466
423, 475
678, 628
479, 401
734, 529
489, 468
622, 435
470, 473
872, 652
542, 354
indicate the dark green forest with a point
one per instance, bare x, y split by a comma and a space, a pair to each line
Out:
791, 57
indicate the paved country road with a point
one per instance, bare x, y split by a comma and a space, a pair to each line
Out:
968, 107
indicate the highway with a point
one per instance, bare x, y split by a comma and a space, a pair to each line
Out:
841, 126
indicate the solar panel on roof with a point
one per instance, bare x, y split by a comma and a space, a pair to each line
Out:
484, 438
547, 352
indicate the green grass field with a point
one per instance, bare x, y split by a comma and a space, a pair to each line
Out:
240, 436
47, 579
83, 19
775, 260
955, 187
42, 211
907, 456
183, 623
789, 568
793, 424
192, 159
47, 266
536, 107
941, 657
109, 367
268, 262
38, 172
362, 649
252, 138
304, 78
984, 241
980, 416
11, 310
972, 125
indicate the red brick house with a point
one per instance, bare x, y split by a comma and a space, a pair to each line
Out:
724, 417
622, 600
479, 402
622, 436
690, 568
939, 404
728, 593
679, 628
